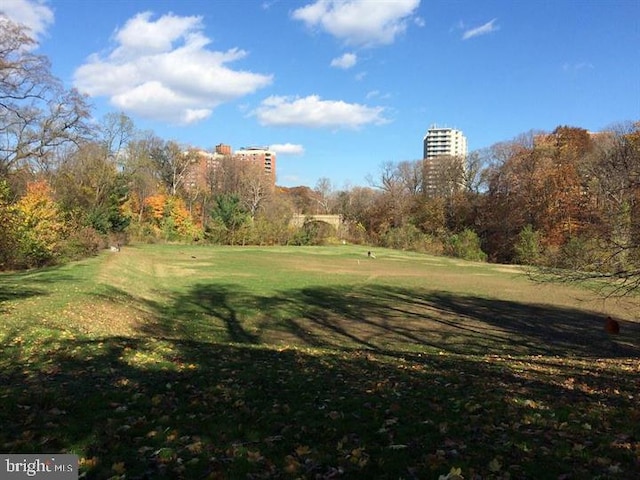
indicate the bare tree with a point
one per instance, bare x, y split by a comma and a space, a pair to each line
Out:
255, 187
37, 115
323, 194
172, 163
116, 130
140, 169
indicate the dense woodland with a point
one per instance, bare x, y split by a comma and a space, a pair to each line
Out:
70, 185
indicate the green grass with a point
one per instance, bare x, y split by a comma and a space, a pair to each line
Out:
216, 362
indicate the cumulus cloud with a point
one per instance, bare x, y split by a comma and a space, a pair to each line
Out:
287, 148
345, 61
34, 14
162, 69
488, 27
312, 111
359, 22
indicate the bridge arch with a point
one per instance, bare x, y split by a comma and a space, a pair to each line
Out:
299, 219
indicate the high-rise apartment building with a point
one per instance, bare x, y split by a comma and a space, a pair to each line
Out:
444, 141
444, 160
261, 156
203, 166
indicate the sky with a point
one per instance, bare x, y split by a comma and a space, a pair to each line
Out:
340, 87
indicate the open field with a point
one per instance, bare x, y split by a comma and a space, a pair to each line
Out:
300, 362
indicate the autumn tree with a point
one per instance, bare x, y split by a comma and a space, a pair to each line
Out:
41, 228
140, 171
535, 182
302, 198
355, 205
271, 226
392, 206
610, 248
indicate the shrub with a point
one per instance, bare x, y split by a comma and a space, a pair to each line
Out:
401, 238
82, 242
580, 253
313, 233
465, 245
528, 248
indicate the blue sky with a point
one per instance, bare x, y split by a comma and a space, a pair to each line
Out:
339, 87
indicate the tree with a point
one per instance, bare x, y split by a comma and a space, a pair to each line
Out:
254, 189
230, 214
443, 176
41, 227
139, 170
302, 198
537, 182
8, 233
323, 194
37, 115
85, 182
172, 163
609, 250
392, 207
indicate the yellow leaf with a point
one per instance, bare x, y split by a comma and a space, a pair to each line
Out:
495, 465
303, 450
118, 468
195, 447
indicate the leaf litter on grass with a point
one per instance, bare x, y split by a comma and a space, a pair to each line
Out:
145, 405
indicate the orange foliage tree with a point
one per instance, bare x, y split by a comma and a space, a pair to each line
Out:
169, 217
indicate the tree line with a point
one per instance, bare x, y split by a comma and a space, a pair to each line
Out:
71, 184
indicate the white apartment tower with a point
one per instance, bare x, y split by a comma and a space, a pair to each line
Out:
444, 161
444, 141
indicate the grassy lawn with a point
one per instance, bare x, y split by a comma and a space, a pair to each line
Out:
317, 363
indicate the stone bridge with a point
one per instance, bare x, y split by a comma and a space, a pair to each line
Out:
298, 219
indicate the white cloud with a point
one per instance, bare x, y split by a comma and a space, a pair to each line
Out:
163, 70
568, 67
481, 30
377, 94
359, 22
312, 111
35, 14
345, 62
287, 148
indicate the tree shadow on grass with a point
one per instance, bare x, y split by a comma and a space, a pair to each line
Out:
208, 311
386, 318
209, 390
184, 409
12, 292
21, 285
